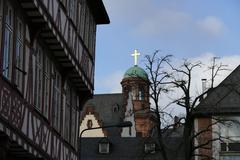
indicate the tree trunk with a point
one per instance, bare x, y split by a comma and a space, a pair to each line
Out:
187, 138
160, 138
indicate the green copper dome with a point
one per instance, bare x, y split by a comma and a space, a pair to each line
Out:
136, 71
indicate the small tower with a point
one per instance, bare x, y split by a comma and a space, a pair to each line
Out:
135, 88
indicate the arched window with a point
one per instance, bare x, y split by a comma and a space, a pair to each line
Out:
141, 93
89, 124
115, 108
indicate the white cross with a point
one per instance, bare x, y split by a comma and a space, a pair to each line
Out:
135, 55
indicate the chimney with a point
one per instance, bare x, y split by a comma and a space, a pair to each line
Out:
204, 85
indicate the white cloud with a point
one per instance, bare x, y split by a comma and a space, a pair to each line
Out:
166, 18
199, 73
163, 21
111, 82
212, 25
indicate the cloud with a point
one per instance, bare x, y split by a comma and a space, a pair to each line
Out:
111, 83
232, 61
212, 25
164, 18
164, 21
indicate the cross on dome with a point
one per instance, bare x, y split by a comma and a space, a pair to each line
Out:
135, 55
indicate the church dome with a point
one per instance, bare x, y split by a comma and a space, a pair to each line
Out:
136, 71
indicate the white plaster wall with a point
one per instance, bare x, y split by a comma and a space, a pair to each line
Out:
215, 144
229, 130
91, 133
129, 116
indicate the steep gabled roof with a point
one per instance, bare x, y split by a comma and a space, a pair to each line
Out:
109, 108
224, 99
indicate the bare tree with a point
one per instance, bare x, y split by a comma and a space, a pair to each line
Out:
162, 81
157, 77
215, 68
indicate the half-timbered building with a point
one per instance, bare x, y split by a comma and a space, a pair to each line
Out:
47, 55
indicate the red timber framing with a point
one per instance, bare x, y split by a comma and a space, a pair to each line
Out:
28, 128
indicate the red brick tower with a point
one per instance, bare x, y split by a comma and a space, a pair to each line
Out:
136, 84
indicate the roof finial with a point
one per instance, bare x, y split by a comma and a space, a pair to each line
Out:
135, 55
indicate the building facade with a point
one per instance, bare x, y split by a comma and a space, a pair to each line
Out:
47, 62
217, 118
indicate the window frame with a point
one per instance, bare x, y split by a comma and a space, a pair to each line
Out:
56, 94
8, 46
46, 86
38, 77
67, 116
19, 65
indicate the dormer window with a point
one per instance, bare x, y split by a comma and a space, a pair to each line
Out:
115, 108
150, 148
104, 146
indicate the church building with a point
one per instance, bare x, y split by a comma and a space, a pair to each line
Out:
131, 105
47, 59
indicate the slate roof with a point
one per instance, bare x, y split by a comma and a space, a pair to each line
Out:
131, 148
224, 99
104, 105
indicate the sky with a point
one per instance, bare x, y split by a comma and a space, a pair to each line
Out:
186, 29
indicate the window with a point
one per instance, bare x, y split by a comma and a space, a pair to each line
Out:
89, 124
103, 146
70, 115
86, 27
74, 117
73, 126
229, 157
230, 147
116, 108
134, 93
56, 99
67, 113
79, 8
8, 41
19, 57
46, 92
92, 35
141, 93
72, 9
150, 148
82, 19
38, 77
